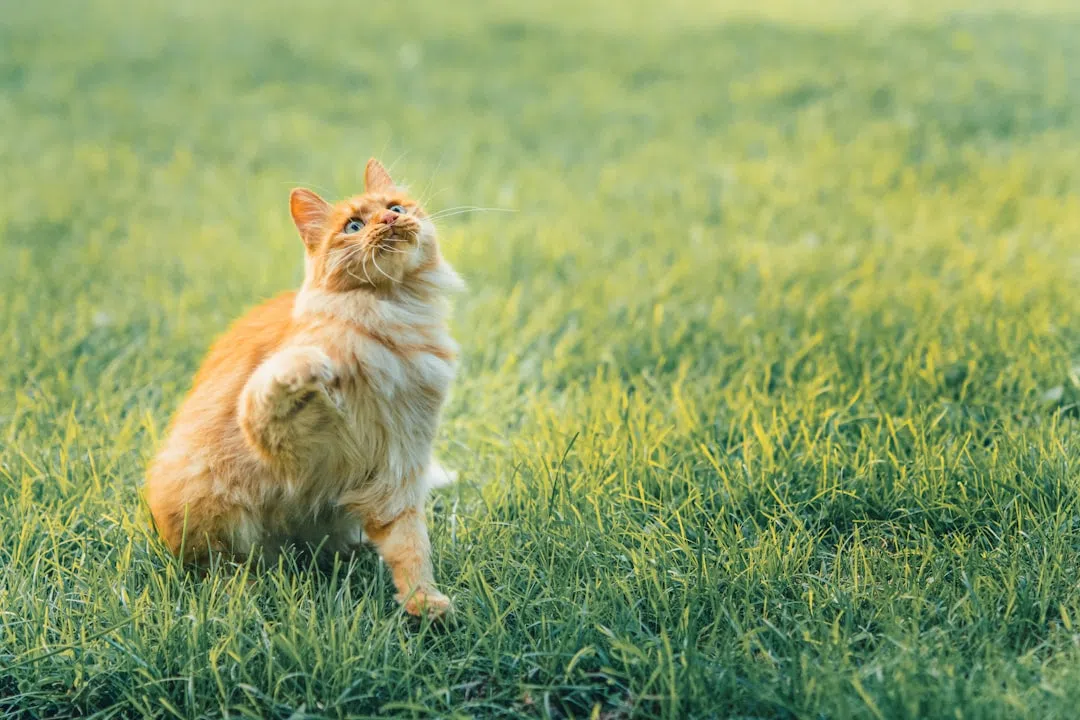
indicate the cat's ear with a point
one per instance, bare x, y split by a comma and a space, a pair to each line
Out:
309, 212
376, 178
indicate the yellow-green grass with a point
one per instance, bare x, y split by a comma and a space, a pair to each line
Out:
769, 397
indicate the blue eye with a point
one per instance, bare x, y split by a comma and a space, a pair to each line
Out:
353, 226
398, 209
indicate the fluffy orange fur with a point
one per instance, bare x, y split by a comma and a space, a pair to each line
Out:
312, 418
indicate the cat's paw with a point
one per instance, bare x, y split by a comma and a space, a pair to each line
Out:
304, 370
428, 602
297, 375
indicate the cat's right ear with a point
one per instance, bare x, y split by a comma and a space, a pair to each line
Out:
309, 212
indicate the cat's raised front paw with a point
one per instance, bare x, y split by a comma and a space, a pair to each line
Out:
297, 375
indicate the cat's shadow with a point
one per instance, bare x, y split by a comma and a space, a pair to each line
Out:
360, 572
297, 565
342, 582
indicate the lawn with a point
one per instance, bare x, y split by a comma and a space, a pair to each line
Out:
770, 395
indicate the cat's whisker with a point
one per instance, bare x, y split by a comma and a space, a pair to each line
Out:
450, 212
425, 199
333, 266
369, 280
363, 266
344, 258
431, 178
393, 164
449, 209
460, 207
346, 263
322, 189
380, 269
335, 262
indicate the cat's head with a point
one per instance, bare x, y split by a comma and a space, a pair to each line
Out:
377, 239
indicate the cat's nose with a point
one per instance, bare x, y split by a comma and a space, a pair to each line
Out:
389, 218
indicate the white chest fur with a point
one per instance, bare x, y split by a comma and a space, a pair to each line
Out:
396, 361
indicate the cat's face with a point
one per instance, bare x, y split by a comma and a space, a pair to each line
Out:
376, 239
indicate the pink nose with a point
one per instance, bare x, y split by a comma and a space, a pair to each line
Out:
389, 218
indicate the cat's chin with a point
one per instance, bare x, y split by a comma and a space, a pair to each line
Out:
400, 241
391, 265
399, 253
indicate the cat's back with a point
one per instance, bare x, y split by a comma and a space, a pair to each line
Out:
232, 359
249, 340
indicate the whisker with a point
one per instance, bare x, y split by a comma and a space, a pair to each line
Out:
342, 258
449, 212
431, 178
393, 164
425, 200
472, 207
322, 190
380, 269
364, 266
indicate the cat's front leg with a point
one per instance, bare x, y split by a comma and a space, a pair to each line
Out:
284, 400
403, 543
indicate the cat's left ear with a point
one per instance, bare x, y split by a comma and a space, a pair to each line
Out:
309, 212
376, 178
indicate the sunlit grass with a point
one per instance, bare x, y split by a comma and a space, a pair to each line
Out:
771, 382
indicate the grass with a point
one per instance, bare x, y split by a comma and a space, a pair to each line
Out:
769, 400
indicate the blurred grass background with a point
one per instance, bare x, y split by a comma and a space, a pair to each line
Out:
769, 399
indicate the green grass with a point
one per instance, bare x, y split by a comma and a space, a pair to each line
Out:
769, 401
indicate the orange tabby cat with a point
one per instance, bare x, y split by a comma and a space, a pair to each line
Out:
312, 418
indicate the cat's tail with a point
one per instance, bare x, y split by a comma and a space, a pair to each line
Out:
437, 476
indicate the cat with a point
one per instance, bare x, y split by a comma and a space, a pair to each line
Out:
312, 418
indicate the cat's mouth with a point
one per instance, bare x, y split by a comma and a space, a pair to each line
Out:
396, 237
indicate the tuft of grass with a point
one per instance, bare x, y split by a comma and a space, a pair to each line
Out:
768, 405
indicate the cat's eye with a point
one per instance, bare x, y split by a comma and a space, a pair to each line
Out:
353, 226
398, 209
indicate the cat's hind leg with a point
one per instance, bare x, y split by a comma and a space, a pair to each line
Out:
194, 522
